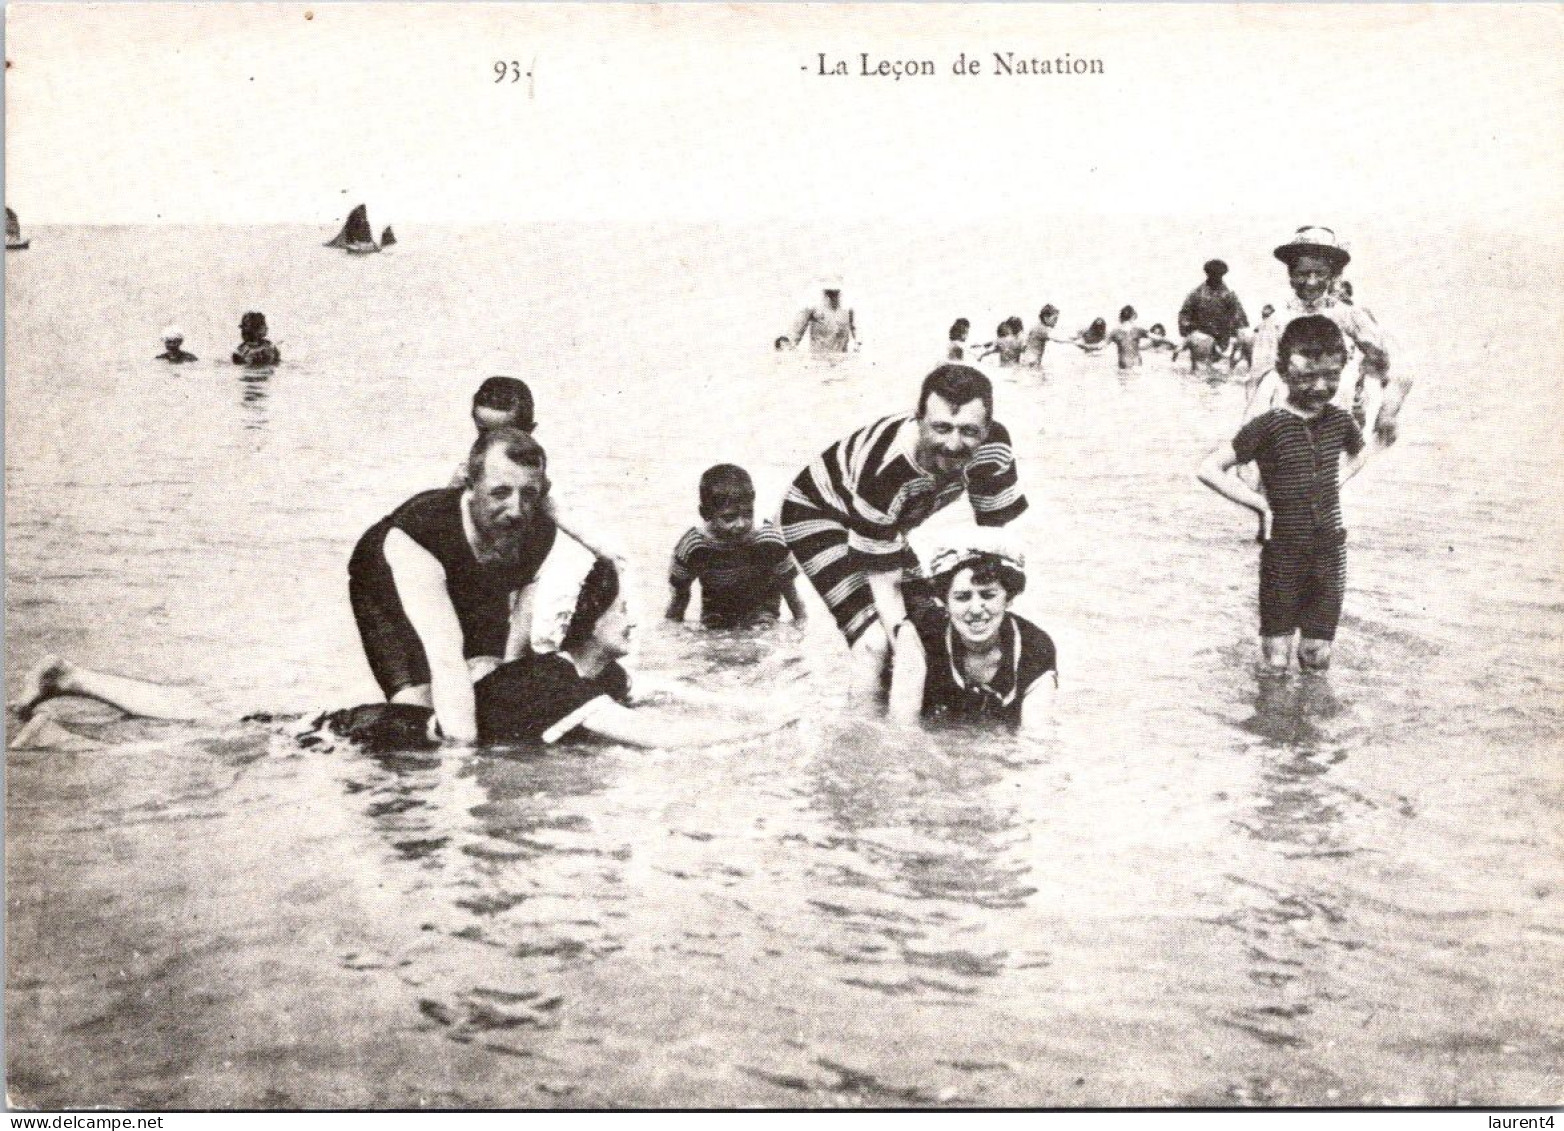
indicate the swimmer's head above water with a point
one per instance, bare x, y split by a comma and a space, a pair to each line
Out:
252, 327
503, 402
727, 501
1127, 314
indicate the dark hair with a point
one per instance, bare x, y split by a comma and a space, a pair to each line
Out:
1267, 309
782, 343
986, 569
597, 596
1344, 288
508, 395
725, 483
959, 327
1126, 314
519, 447
1313, 336
1047, 311
956, 385
252, 327
1159, 329
1215, 269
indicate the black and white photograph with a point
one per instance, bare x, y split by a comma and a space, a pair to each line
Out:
783, 556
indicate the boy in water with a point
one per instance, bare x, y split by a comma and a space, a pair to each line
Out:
1039, 336
173, 340
1007, 343
254, 348
745, 572
1306, 449
1159, 339
1127, 336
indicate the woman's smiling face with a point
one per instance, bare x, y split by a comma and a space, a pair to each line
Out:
976, 608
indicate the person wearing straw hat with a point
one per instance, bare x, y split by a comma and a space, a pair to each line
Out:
1315, 259
980, 662
828, 323
173, 339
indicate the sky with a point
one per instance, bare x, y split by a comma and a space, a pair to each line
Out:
257, 113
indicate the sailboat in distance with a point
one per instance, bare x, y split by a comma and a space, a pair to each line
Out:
356, 235
387, 237
13, 233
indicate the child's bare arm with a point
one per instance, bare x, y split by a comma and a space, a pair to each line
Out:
1214, 473
678, 603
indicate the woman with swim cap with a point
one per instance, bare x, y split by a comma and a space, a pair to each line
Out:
981, 663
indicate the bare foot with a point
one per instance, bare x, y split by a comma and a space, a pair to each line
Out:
43, 733
42, 683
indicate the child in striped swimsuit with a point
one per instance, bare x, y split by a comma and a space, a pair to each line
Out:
745, 571
1299, 447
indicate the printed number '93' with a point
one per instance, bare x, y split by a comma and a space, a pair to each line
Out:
511, 70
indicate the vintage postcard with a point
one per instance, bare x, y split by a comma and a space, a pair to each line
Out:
580, 556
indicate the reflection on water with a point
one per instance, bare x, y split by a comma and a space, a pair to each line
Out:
253, 389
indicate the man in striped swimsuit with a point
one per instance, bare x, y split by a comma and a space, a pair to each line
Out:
847, 514
1298, 447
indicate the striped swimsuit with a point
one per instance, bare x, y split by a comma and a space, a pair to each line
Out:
848, 512
741, 582
1303, 566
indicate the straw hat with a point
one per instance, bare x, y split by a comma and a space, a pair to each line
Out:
1313, 240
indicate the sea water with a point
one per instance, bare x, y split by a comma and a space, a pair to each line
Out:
1206, 888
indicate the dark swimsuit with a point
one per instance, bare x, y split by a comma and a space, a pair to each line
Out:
538, 698
479, 592
1026, 656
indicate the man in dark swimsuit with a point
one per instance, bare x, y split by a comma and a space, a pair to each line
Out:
435, 584
1212, 308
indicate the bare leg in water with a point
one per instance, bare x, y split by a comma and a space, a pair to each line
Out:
54, 677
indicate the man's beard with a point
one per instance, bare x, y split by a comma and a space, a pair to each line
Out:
501, 544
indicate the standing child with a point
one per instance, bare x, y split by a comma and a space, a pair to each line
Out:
1039, 336
746, 572
1299, 447
1127, 336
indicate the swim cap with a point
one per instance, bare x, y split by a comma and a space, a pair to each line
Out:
978, 545
173, 333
